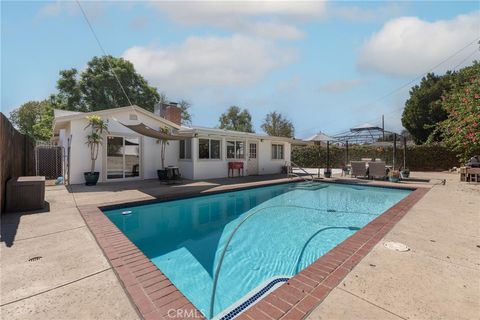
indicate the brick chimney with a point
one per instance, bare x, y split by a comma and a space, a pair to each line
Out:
169, 111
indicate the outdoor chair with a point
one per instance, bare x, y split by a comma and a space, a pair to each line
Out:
359, 169
377, 169
473, 175
169, 175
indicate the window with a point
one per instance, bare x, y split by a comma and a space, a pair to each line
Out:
208, 149
235, 150
253, 151
277, 151
185, 149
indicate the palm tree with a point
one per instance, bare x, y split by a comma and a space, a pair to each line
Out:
163, 146
94, 139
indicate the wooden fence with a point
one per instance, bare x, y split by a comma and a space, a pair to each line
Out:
17, 155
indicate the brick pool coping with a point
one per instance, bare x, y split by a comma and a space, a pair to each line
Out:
156, 297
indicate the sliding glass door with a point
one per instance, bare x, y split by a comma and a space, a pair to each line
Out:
123, 157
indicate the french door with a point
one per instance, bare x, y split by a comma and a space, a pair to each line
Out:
252, 158
123, 157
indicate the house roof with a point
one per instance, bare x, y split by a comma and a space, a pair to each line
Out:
61, 117
64, 117
57, 113
232, 133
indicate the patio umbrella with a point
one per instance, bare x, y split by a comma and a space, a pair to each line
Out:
320, 138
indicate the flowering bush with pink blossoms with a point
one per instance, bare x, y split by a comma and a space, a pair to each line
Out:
461, 130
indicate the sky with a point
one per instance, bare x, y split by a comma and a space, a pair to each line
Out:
327, 66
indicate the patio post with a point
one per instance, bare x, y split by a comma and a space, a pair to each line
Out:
319, 157
394, 149
328, 154
346, 150
404, 152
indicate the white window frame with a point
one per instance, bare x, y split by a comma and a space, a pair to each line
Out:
185, 146
210, 149
235, 155
250, 143
275, 155
105, 155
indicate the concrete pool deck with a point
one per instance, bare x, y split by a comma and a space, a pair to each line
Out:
439, 278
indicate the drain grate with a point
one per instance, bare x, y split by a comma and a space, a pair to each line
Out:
34, 259
331, 210
396, 246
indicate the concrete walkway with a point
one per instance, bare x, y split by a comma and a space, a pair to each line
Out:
438, 279
71, 279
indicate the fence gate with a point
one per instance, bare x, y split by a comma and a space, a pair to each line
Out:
49, 160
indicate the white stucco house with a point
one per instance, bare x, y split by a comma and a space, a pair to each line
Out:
127, 155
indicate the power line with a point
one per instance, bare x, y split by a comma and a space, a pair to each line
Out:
466, 58
415, 79
423, 74
103, 50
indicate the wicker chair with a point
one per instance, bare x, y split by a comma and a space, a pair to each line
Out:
377, 170
359, 169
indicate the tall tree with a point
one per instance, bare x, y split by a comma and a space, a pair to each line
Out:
275, 124
236, 119
423, 110
97, 88
69, 96
185, 106
34, 119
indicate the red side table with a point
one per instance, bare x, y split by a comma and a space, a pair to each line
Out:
235, 165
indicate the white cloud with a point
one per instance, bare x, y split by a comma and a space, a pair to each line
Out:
273, 30
359, 14
411, 46
341, 86
50, 10
222, 13
201, 62
93, 9
266, 19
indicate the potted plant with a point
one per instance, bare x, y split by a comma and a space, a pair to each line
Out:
394, 176
94, 140
327, 173
162, 173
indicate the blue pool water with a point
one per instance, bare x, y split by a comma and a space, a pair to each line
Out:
295, 224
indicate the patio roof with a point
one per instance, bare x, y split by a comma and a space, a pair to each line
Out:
145, 130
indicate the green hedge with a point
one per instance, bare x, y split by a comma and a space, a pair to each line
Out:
420, 158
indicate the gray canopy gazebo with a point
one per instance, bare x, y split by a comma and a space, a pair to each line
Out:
367, 134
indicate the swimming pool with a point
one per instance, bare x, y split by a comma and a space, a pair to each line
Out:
289, 226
